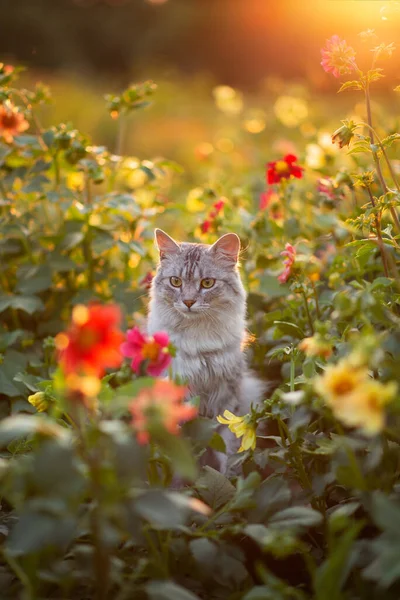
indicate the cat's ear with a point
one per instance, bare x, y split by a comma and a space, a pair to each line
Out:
228, 246
165, 244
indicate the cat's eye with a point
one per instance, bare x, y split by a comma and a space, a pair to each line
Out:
175, 281
207, 283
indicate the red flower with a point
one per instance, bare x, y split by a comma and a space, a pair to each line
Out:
217, 207
147, 279
153, 349
284, 168
160, 404
205, 226
12, 122
337, 58
92, 342
290, 253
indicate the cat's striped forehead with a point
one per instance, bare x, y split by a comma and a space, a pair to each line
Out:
194, 261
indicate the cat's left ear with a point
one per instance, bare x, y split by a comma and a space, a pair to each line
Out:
228, 246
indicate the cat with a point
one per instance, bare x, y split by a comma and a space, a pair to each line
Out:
198, 298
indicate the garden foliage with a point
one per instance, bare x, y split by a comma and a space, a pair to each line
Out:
101, 492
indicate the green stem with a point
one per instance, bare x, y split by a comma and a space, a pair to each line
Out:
101, 564
376, 159
317, 310
57, 174
379, 236
292, 371
308, 312
22, 576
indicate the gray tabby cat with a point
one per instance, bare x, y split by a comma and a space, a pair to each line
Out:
198, 298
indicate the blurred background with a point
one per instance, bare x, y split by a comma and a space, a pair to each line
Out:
268, 50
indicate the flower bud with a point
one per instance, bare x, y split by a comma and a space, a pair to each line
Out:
344, 134
39, 401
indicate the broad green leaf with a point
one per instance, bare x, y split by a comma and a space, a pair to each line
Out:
296, 516
214, 488
167, 590
350, 85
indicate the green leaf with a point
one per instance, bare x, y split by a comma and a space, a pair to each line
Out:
28, 304
270, 286
205, 553
296, 516
21, 426
37, 280
163, 509
167, 590
290, 329
350, 85
72, 240
385, 512
214, 488
36, 531
333, 572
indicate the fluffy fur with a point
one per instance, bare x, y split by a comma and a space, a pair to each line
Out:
209, 334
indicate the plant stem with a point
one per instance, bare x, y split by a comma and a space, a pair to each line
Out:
292, 371
376, 159
308, 312
379, 236
317, 310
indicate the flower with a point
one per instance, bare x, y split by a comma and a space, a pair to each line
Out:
344, 134
217, 208
355, 398
162, 404
284, 168
147, 279
92, 342
329, 189
290, 253
39, 401
12, 122
152, 350
337, 58
315, 346
364, 407
340, 380
205, 226
241, 427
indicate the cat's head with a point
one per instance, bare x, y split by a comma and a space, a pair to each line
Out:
198, 279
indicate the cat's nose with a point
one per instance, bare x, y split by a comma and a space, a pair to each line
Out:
189, 303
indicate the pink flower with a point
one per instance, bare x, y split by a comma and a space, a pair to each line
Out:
152, 350
338, 58
329, 188
290, 254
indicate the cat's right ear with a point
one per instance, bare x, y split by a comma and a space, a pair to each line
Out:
165, 244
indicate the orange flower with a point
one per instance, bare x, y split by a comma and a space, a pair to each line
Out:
160, 404
92, 342
12, 122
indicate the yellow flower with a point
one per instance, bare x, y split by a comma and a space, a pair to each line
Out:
338, 381
355, 398
39, 401
241, 428
364, 407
